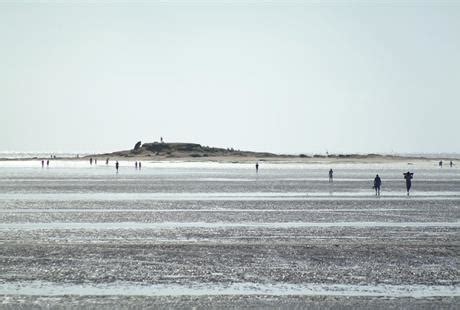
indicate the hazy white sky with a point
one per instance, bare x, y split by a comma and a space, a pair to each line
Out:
280, 76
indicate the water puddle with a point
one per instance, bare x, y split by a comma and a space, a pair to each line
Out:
219, 225
219, 210
250, 196
38, 288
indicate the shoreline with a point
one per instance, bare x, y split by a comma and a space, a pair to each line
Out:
194, 152
248, 159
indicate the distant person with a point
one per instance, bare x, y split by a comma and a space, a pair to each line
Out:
161, 139
95, 161
451, 164
257, 167
140, 165
377, 184
440, 164
43, 163
107, 161
90, 160
408, 176
117, 165
48, 163
331, 173
135, 164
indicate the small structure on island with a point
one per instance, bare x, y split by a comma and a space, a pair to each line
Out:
137, 145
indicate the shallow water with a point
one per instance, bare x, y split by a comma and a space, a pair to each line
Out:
196, 289
210, 228
216, 225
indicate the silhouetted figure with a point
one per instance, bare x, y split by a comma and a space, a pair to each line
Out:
377, 184
161, 139
117, 165
440, 164
408, 176
95, 161
331, 173
135, 164
90, 160
107, 161
140, 165
451, 164
257, 167
48, 163
43, 163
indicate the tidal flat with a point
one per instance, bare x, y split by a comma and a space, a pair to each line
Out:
211, 235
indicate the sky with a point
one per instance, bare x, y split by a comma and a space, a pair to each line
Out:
277, 76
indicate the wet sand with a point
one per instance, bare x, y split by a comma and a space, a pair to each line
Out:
220, 236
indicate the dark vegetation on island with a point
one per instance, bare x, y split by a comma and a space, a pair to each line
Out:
177, 149
181, 150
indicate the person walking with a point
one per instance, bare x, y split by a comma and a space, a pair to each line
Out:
331, 176
43, 163
140, 165
408, 176
135, 164
107, 161
451, 164
440, 164
47, 163
257, 167
90, 160
377, 184
117, 165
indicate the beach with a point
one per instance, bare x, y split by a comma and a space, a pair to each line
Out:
216, 234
